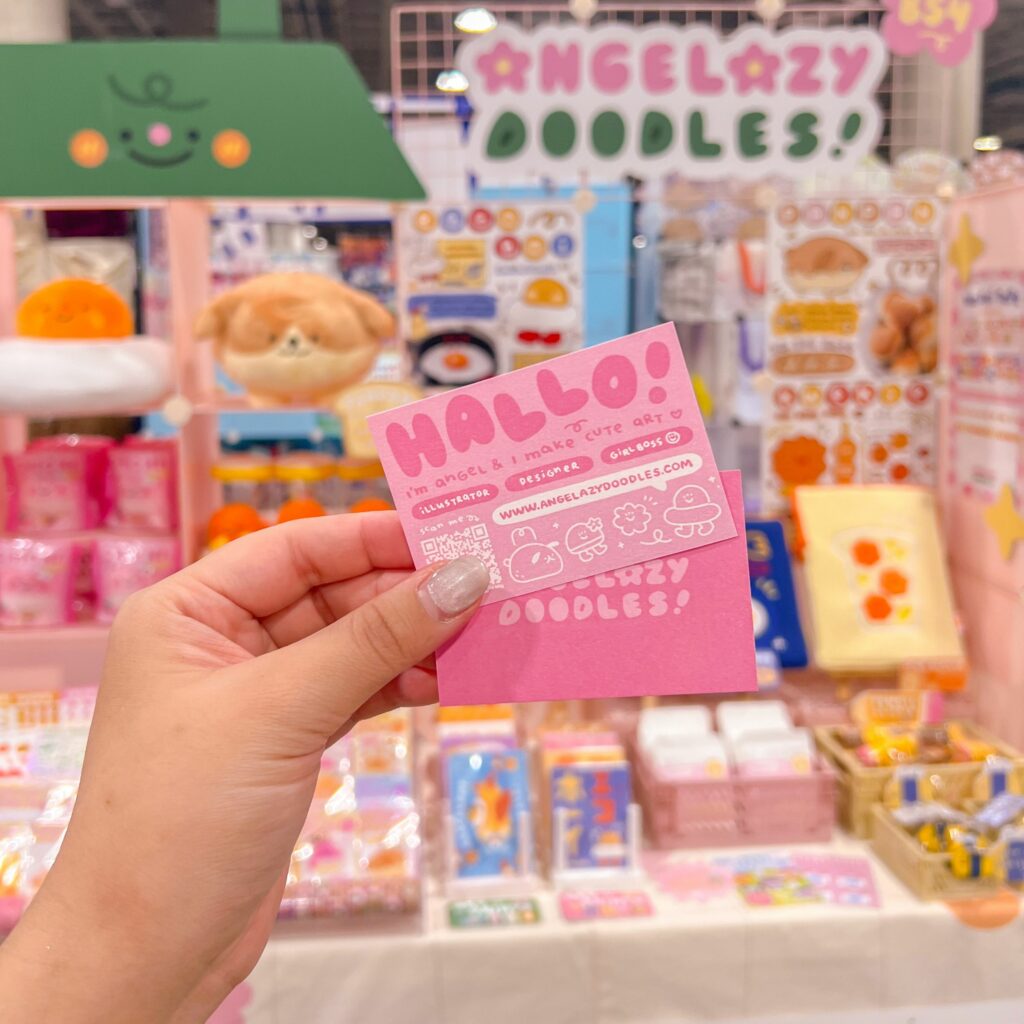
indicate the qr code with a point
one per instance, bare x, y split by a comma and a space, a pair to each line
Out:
474, 540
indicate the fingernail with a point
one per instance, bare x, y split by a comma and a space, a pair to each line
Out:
455, 587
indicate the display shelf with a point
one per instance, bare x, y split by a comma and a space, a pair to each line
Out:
54, 658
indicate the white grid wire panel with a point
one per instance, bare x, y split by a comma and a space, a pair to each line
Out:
424, 40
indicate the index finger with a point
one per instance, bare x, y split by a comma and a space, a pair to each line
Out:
271, 569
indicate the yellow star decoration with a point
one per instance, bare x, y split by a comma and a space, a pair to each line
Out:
1005, 521
570, 788
966, 248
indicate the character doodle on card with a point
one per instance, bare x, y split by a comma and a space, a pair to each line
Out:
692, 511
532, 560
586, 540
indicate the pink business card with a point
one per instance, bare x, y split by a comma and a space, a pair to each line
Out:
580, 465
671, 625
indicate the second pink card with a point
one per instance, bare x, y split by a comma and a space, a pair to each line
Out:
581, 465
671, 625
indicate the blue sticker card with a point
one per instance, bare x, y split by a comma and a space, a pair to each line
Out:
776, 619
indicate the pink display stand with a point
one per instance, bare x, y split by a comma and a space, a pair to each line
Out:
983, 445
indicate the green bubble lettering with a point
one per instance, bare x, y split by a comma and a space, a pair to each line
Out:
656, 133
751, 134
607, 133
559, 133
803, 129
701, 147
508, 136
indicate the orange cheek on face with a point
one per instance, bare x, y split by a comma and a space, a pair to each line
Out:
88, 148
231, 148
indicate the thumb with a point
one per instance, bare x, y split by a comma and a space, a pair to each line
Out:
327, 676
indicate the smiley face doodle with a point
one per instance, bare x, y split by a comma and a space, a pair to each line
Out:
159, 129
531, 559
692, 511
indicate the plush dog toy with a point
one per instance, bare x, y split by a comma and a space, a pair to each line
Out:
295, 338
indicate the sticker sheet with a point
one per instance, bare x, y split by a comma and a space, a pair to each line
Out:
604, 904
669, 625
596, 801
783, 880
493, 913
556, 473
853, 344
489, 287
488, 793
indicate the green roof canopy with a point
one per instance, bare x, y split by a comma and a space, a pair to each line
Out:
238, 117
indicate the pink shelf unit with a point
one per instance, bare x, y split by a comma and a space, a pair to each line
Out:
73, 655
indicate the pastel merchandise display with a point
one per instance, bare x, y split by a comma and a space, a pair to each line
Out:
945, 847
487, 288
37, 581
895, 729
71, 483
758, 779
123, 565
144, 474
295, 338
358, 852
53, 490
876, 577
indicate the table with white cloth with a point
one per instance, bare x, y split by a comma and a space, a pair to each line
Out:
905, 962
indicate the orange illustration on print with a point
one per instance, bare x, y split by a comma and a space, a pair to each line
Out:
491, 813
488, 796
881, 566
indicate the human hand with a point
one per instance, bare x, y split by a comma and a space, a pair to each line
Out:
223, 685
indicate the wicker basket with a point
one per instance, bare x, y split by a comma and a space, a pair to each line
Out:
926, 875
860, 788
737, 811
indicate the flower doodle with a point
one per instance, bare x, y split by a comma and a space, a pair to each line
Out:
754, 69
631, 519
504, 67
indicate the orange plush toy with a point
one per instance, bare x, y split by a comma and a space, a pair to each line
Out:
295, 338
74, 309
